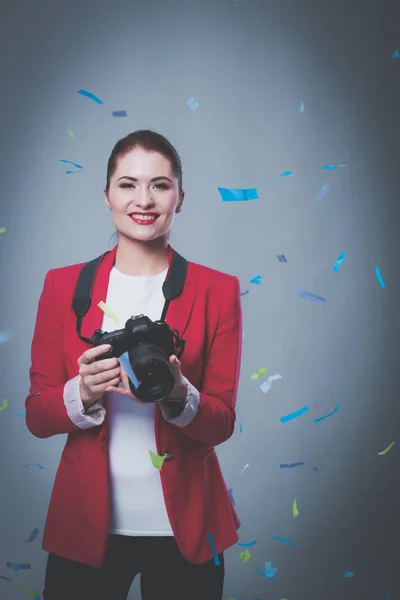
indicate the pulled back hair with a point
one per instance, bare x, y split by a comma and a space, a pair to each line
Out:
147, 140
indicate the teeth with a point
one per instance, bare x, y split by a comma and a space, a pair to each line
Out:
144, 217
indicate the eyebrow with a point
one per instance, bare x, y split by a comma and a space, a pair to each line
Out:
136, 180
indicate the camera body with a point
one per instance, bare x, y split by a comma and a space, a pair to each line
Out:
149, 345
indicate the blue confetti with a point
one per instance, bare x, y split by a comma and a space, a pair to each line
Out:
338, 262
4, 337
379, 276
240, 428
18, 566
33, 535
70, 172
244, 293
216, 559
90, 95
6, 578
248, 545
68, 162
312, 297
119, 113
329, 167
238, 194
322, 191
269, 571
285, 466
301, 109
281, 258
286, 174
329, 414
294, 415
348, 574
230, 491
125, 362
256, 280
192, 102
396, 54
279, 539
34, 465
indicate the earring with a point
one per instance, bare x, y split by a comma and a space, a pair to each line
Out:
108, 207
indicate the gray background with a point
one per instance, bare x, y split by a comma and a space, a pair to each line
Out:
250, 64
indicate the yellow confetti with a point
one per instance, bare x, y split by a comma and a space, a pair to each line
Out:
295, 510
4, 405
157, 460
30, 592
107, 310
261, 372
2, 229
244, 556
71, 135
387, 449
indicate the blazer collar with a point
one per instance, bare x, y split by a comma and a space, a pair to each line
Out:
179, 310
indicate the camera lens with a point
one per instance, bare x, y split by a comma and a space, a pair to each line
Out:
152, 368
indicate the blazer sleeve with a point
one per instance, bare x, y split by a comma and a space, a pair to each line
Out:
215, 418
53, 403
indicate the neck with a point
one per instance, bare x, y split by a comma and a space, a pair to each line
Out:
134, 257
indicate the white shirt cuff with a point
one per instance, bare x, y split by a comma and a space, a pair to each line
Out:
84, 419
192, 401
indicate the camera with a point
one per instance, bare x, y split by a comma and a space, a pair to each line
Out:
149, 345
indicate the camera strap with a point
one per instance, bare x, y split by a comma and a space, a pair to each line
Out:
82, 301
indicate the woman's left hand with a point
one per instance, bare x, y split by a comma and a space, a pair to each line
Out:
178, 392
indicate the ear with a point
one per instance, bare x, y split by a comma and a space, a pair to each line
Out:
106, 200
179, 207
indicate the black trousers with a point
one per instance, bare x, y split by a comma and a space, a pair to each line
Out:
164, 573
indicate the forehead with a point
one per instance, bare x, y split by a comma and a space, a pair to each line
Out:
139, 162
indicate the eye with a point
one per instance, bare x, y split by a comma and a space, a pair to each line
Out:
162, 186
126, 185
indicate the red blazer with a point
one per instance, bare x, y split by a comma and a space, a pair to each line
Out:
208, 316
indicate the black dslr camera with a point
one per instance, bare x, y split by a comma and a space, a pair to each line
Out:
149, 345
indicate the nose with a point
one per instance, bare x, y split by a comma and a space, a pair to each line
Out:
143, 198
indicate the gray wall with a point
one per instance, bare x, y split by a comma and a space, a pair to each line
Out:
250, 64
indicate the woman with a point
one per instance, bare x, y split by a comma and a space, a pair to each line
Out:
112, 514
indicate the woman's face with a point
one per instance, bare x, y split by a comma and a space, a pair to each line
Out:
143, 182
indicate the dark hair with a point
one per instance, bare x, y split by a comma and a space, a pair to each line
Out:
148, 140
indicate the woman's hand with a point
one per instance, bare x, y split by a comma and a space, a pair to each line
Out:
178, 392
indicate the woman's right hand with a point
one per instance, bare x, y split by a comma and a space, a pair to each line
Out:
97, 375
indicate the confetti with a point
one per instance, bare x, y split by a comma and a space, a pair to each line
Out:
256, 280
192, 102
379, 277
281, 258
2, 229
33, 535
396, 54
4, 405
348, 574
294, 415
119, 113
4, 337
18, 566
216, 559
6, 578
70, 172
107, 310
386, 449
312, 297
244, 293
244, 556
244, 468
331, 167
266, 386
71, 135
269, 571
279, 539
301, 109
34, 465
157, 460
286, 174
238, 194
295, 509
322, 191
240, 428
331, 413
91, 96
285, 466
261, 372
30, 592
126, 365
230, 492
248, 545
338, 262
68, 162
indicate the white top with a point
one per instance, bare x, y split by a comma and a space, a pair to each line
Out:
137, 500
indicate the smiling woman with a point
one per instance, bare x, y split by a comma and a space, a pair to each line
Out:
145, 168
